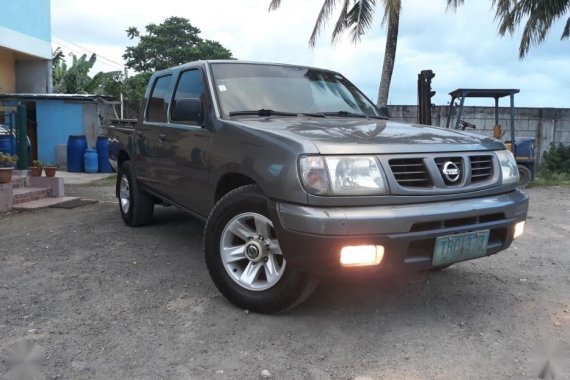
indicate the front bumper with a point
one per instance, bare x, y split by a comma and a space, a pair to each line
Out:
311, 237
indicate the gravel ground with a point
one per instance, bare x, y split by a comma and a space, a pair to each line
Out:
106, 301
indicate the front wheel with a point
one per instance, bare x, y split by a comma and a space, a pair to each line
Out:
244, 258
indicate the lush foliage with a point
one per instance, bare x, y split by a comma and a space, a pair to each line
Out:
75, 79
8, 160
171, 43
556, 162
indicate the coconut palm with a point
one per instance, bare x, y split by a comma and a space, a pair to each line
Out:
538, 16
356, 17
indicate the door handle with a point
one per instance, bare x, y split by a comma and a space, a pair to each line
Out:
162, 137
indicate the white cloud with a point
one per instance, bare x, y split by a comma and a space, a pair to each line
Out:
461, 47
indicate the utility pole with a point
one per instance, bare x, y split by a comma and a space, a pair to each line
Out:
425, 94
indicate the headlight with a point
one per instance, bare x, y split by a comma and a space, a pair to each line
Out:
508, 166
342, 175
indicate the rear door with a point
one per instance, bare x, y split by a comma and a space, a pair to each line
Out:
151, 163
188, 147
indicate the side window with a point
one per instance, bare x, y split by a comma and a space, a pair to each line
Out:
156, 104
189, 85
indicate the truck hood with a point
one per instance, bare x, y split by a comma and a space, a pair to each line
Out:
371, 136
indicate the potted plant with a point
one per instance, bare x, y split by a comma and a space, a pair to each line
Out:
7, 162
36, 168
50, 169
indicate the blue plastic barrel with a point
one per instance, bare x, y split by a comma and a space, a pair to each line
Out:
76, 147
103, 152
7, 144
91, 159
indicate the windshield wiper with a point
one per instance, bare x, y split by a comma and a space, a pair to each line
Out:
352, 114
266, 112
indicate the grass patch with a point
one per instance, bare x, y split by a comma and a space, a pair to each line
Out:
111, 180
550, 181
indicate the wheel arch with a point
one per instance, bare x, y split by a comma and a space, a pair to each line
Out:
231, 181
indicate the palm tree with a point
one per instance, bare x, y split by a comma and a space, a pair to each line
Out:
356, 16
539, 16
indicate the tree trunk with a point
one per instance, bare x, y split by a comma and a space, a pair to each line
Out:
389, 59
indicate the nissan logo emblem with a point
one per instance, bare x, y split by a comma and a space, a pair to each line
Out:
451, 171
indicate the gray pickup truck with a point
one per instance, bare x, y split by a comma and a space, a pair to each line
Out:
298, 175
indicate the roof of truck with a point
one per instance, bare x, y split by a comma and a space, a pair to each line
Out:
235, 61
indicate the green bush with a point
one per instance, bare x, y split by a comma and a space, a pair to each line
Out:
556, 162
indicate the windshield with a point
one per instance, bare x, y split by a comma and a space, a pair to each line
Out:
298, 90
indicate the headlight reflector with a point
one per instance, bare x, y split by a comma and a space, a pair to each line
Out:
342, 175
508, 166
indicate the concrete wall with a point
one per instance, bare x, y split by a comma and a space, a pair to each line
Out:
33, 76
57, 119
547, 125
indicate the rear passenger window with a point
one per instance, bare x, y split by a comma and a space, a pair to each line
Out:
156, 104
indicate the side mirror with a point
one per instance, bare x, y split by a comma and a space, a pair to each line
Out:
188, 110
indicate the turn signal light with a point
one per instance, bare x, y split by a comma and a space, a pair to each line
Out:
361, 255
519, 229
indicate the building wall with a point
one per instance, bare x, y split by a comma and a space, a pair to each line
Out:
56, 120
7, 71
547, 125
25, 26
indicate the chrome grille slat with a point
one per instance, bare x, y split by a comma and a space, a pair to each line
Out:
410, 172
481, 168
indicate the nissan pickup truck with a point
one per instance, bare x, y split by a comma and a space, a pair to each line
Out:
297, 176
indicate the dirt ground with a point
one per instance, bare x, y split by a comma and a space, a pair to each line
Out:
105, 301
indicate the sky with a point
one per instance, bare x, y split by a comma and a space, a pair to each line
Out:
462, 47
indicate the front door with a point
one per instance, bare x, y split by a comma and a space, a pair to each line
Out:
188, 147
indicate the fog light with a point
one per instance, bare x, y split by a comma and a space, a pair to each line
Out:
519, 229
361, 255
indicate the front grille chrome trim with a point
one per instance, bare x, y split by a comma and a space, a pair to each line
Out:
422, 174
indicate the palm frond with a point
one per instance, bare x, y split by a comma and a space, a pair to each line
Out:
342, 22
322, 18
275, 4
360, 18
454, 4
566, 32
540, 15
392, 9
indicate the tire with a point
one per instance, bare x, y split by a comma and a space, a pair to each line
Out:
135, 204
525, 176
251, 271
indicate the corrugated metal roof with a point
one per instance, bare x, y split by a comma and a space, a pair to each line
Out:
84, 97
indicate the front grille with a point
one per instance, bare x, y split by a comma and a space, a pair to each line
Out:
481, 168
410, 172
458, 161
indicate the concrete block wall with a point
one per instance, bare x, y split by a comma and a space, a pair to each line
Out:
547, 125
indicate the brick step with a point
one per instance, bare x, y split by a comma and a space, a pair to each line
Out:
27, 194
19, 182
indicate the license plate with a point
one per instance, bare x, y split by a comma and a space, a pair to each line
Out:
453, 248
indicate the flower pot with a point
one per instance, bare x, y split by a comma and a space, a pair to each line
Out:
50, 171
6, 175
36, 172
